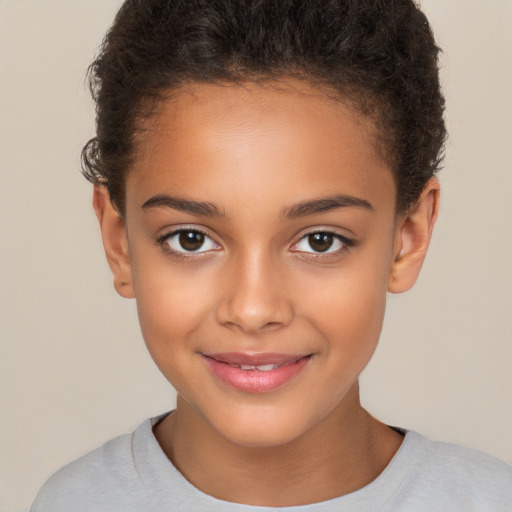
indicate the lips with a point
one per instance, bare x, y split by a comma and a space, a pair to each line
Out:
260, 368
256, 373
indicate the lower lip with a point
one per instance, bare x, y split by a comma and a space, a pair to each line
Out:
255, 381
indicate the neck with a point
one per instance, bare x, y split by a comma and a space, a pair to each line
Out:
341, 454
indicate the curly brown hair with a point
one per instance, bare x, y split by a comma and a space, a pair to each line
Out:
379, 55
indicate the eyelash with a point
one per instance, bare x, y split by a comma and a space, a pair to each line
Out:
327, 255
347, 244
163, 242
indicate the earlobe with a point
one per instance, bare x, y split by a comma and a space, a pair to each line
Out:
413, 234
115, 241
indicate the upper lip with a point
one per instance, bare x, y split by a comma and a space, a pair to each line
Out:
255, 359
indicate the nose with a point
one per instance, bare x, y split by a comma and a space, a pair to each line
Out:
254, 297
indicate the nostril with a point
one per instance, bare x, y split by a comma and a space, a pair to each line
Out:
253, 301
270, 326
252, 321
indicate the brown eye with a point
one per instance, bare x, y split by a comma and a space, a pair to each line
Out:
320, 242
323, 242
191, 240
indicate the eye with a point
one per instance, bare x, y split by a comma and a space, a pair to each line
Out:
322, 242
189, 240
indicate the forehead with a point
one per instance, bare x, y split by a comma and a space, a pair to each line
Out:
207, 139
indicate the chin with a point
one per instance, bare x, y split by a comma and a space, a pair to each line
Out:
252, 437
264, 428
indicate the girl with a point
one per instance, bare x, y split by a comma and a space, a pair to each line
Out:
264, 174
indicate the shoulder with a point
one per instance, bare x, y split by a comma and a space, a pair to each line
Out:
454, 473
107, 475
461, 462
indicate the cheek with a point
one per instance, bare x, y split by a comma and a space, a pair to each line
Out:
171, 304
348, 307
352, 315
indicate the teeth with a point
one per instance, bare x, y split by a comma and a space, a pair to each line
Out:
261, 367
266, 367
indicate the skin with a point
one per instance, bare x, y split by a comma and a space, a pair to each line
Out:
255, 152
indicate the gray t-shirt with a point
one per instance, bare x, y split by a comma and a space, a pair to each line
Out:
131, 473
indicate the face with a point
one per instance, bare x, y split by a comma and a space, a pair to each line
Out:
261, 234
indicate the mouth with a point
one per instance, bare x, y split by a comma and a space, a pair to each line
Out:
256, 373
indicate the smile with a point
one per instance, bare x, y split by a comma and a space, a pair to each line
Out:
256, 373
260, 368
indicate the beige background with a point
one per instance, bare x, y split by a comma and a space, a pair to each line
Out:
73, 368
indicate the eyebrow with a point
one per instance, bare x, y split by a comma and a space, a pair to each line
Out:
314, 206
183, 205
326, 204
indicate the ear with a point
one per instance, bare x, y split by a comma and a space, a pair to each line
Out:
413, 234
115, 241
